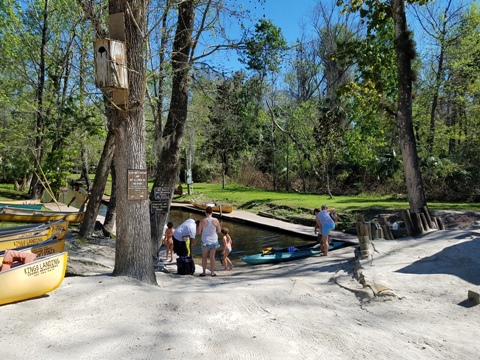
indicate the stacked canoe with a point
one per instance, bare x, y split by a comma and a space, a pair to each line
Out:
25, 215
32, 259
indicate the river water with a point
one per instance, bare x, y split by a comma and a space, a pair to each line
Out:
247, 239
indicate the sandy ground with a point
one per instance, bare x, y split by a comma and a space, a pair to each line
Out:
414, 306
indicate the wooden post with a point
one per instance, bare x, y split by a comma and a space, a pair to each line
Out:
408, 222
386, 228
375, 232
429, 218
440, 223
368, 225
425, 224
417, 225
364, 240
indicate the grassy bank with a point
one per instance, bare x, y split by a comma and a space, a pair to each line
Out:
245, 198
282, 203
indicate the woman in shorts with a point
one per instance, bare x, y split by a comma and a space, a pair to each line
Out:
209, 227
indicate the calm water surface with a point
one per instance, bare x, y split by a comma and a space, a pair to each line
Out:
247, 239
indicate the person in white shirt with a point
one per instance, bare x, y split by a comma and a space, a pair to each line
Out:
185, 231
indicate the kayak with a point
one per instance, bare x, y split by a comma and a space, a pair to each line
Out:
223, 208
273, 255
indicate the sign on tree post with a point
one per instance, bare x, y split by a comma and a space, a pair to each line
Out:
137, 184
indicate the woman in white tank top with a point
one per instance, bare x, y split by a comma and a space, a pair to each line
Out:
209, 228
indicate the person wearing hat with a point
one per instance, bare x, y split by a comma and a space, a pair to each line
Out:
324, 223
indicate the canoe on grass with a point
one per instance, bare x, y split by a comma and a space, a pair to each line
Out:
34, 279
224, 208
272, 255
25, 215
57, 229
50, 246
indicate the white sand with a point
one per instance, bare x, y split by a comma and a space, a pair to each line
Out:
309, 309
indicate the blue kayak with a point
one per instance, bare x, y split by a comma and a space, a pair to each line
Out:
273, 255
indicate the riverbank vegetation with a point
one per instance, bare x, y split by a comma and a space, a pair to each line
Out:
359, 104
309, 118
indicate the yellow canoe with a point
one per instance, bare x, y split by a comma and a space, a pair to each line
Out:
58, 229
27, 215
22, 242
224, 208
34, 279
47, 247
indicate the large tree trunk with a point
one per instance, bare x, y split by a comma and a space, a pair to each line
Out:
405, 52
133, 256
169, 158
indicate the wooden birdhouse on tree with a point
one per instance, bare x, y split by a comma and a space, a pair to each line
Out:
110, 64
110, 57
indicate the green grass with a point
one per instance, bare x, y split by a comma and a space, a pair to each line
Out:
245, 198
258, 200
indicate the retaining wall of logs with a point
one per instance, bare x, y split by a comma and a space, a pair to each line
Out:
415, 224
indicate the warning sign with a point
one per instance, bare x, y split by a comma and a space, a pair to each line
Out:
137, 184
162, 197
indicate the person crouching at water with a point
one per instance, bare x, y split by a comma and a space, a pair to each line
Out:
185, 231
209, 228
324, 224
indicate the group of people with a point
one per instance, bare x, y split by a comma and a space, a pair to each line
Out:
324, 223
182, 240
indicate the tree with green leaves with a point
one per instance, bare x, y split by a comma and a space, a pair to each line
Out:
376, 13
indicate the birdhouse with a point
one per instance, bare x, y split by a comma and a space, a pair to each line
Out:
110, 58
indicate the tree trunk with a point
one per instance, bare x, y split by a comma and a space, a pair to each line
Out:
98, 188
405, 52
105, 164
133, 256
111, 215
169, 158
36, 189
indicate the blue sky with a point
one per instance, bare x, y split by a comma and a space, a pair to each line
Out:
286, 14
